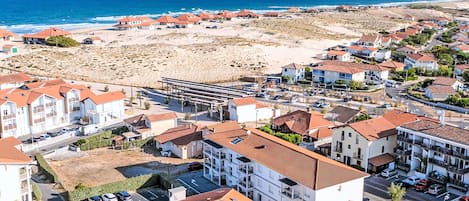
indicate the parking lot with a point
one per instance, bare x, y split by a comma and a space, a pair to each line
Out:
150, 194
196, 183
378, 186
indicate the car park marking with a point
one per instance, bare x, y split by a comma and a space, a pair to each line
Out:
194, 182
185, 184
155, 196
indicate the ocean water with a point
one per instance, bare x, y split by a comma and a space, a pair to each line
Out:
27, 16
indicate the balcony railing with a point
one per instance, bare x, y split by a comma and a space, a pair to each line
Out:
403, 166
404, 139
357, 156
245, 184
38, 109
245, 170
50, 104
438, 162
9, 116
402, 152
219, 155
290, 195
75, 109
51, 114
9, 127
460, 155
458, 170
418, 155
73, 99
458, 184
40, 120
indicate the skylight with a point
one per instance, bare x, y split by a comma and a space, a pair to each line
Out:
236, 140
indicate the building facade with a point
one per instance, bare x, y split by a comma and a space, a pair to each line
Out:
295, 71
248, 110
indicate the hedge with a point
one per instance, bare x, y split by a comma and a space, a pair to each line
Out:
129, 184
103, 139
37, 192
136, 143
46, 169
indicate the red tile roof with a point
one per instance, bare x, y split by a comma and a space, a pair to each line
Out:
166, 19
9, 154
290, 160
5, 33
206, 16
339, 68
374, 129
435, 128
15, 78
445, 81
301, 122
337, 52
48, 33
162, 116
393, 65
221, 194
462, 66
369, 38
422, 57
441, 89
244, 101
107, 97
189, 18
246, 13
293, 66
176, 133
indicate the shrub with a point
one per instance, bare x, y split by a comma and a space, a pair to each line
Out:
147, 105
166, 100
36, 191
45, 168
61, 41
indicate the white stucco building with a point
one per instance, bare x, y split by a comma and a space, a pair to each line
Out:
266, 168
15, 172
330, 71
294, 71
14, 80
420, 60
104, 108
249, 110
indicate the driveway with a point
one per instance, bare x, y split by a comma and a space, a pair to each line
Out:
196, 183
150, 194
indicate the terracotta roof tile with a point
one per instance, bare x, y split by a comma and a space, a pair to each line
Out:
293, 66
5, 33
301, 122
225, 126
445, 81
392, 65
337, 52
9, 154
221, 194
369, 38
290, 160
162, 116
244, 101
374, 129
436, 129
15, 78
462, 66
382, 159
107, 97
206, 16
343, 114
441, 89
50, 32
422, 57
177, 132
188, 18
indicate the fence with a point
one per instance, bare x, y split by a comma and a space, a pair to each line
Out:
441, 105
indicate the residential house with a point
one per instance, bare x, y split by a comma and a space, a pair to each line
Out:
249, 110
461, 47
409, 17
421, 60
370, 40
310, 125
362, 51
166, 20
184, 141
221, 194
330, 71
461, 37
392, 65
441, 21
104, 108
247, 14
183, 24
295, 71
386, 41
42, 36
243, 159
204, 16
464, 28
151, 125
382, 55
135, 23
369, 144
10, 49
342, 115
92, 40
225, 15
439, 92
191, 18
338, 55
408, 49
460, 68
6, 35
271, 14
14, 80
15, 171
436, 151
446, 81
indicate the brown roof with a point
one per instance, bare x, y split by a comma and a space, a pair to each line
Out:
5, 33
368, 67
463, 47
9, 154
409, 47
293, 66
225, 126
441, 89
107, 97
221, 194
15, 78
206, 16
188, 18
445, 81
244, 101
339, 68
344, 114
290, 160
246, 13
162, 116
374, 129
382, 159
137, 121
177, 132
50, 32
370, 38
166, 19
301, 121
392, 65
434, 128
398, 117
462, 66
337, 52
321, 133
422, 57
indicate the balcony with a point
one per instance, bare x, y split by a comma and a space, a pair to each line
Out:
23, 175
357, 156
50, 104
458, 184
289, 194
402, 152
404, 139
435, 177
51, 114
245, 184
219, 155
458, 170
438, 162
244, 170
403, 166
440, 149
74, 109
418, 155
9, 127
38, 109
73, 100
460, 155
40, 120
9, 116
338, 149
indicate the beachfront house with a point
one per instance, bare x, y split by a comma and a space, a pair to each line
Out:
204, 16
104, 108
338, 55
247, 14
15, 171
42, 36
166, 20
14, 80
369, 40
362, 51
225, 15
6, 35
10, 49
421, 60
92, 40
249, 110
191, 18
459, 69
331, 71
294, 71
135, 23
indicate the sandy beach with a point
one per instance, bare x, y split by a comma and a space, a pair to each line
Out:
236, 48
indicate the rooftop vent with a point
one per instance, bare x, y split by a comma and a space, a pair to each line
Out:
260, 147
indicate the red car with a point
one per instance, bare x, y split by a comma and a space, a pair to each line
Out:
422, 185
464, 198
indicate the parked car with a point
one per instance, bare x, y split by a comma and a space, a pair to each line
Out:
422, 185
464, 198
325, 105
195, 166
386, 105
45, 137
412, 180
401, 182
277, 97
317, 105
436, 189
94, 198
123, 196
109, 197
388, 172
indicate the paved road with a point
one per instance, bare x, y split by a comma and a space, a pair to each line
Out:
47, 190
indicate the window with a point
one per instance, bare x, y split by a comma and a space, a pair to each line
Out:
359, 163
343, 135
382, 149
270, 189
387, 138
356, 139
349, 147
285, 70
338, 156
349, 134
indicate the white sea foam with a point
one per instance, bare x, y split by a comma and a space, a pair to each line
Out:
32, 28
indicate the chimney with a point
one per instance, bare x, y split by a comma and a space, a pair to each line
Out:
248, 132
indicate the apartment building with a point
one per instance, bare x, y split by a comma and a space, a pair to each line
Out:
421, 60
264, 167
15, 172
295, 71
41, 106
330, 71
369, 144
14, 80
434, 150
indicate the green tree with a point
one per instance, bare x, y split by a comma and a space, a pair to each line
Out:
307, 69
396, 192
354, 85
465, 76
362, 117
62, 41
445, 59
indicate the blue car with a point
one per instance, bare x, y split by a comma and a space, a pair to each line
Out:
96, 198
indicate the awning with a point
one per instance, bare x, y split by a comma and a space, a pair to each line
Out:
288, 181
380, 160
